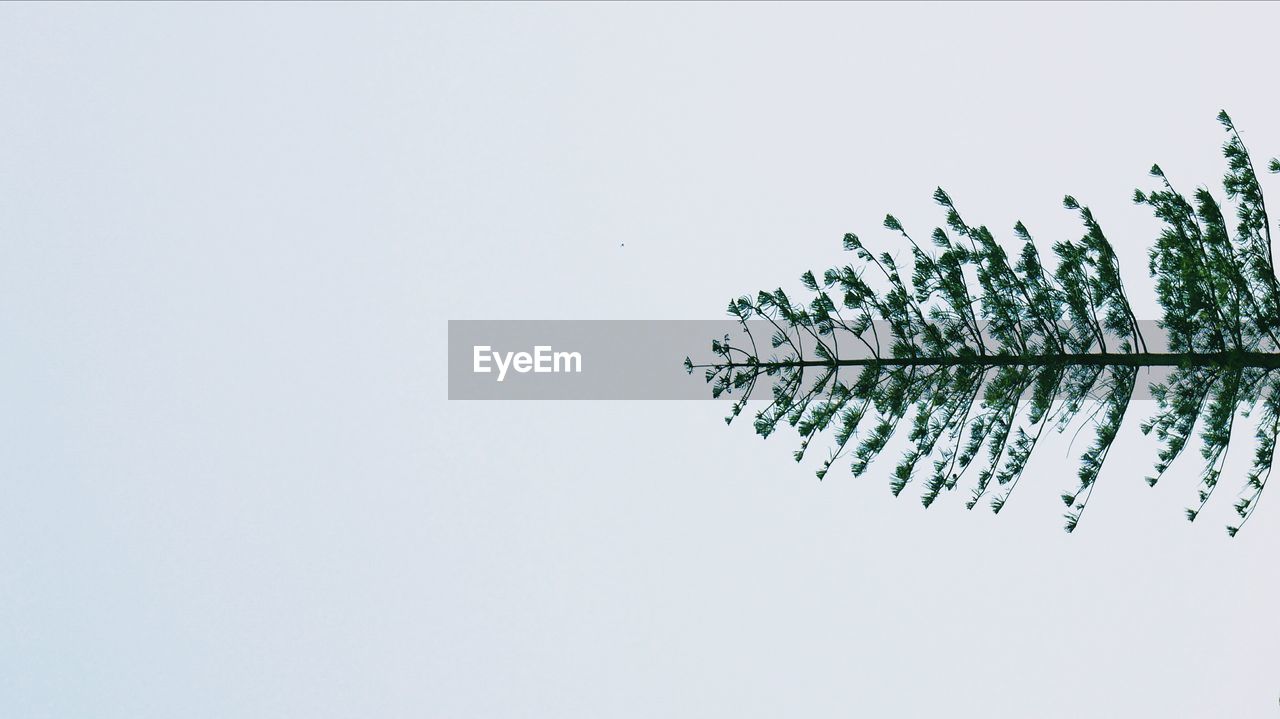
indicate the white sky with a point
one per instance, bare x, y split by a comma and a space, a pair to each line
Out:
230, 239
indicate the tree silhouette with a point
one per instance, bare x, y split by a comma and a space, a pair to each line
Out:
979, 353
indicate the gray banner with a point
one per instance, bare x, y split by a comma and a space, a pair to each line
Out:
638, 359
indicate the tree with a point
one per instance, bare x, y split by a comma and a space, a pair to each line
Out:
977, 354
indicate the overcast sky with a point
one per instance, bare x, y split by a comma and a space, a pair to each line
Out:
232, 484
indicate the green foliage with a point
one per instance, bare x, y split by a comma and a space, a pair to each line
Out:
978, 351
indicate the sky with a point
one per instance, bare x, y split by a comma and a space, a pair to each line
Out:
231, 240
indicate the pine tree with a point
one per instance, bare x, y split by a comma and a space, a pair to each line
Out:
977, 353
